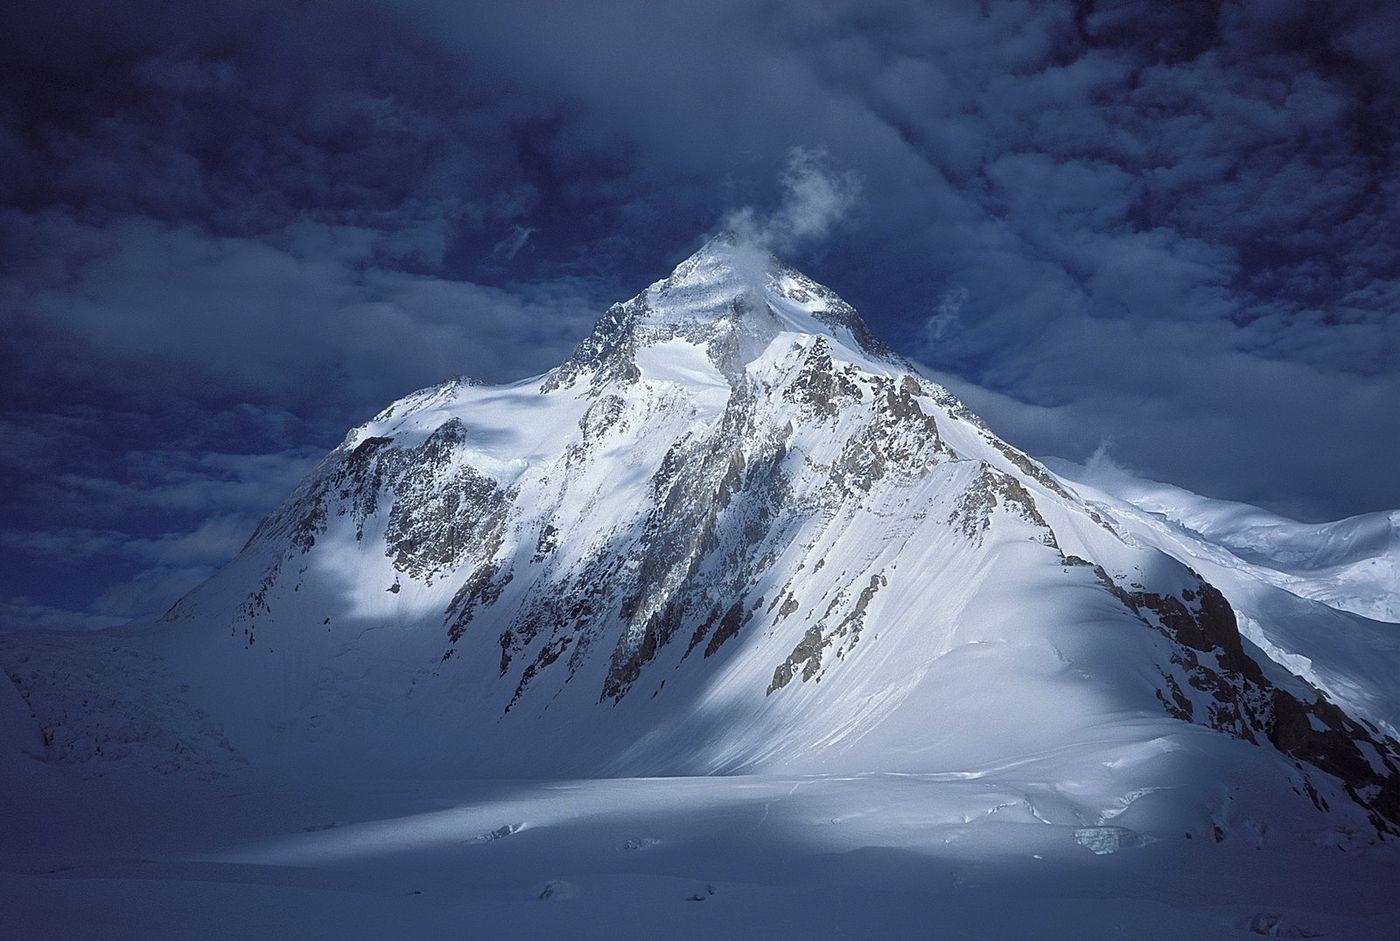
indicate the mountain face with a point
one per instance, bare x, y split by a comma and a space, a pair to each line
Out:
735, 532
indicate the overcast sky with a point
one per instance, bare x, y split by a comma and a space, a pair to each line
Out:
229, 231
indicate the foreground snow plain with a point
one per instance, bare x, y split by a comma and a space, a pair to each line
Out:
960, 855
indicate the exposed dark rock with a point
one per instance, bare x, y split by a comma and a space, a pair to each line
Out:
820, 388
990, 489
807, 655
547, 655
717, 499
1210, 655
483, 586
547, 543
605, 355
809, 650
729, 625
1029, 467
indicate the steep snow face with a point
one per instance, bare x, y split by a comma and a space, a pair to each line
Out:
733, 532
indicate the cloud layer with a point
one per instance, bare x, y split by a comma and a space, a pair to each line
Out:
229, 231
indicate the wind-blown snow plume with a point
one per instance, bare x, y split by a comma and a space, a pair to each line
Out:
949, 307
815, 197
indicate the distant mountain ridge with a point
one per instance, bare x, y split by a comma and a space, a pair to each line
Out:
1351, 564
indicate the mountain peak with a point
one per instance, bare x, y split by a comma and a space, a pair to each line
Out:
725, 263
730, 278
728, 247
732, 297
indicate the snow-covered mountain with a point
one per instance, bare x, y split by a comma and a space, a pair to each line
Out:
735, 532
912, 676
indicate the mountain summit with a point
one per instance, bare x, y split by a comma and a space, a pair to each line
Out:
730, 297
735, 532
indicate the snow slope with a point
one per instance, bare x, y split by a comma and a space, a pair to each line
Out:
734, 534
1351, 564
1300, 591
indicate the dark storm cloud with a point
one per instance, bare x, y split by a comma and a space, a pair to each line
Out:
230, 231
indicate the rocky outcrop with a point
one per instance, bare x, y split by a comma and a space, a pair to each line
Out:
1241, 701
605, 356
843, 636
992, 489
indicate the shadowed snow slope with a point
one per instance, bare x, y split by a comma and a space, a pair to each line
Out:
734, 533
